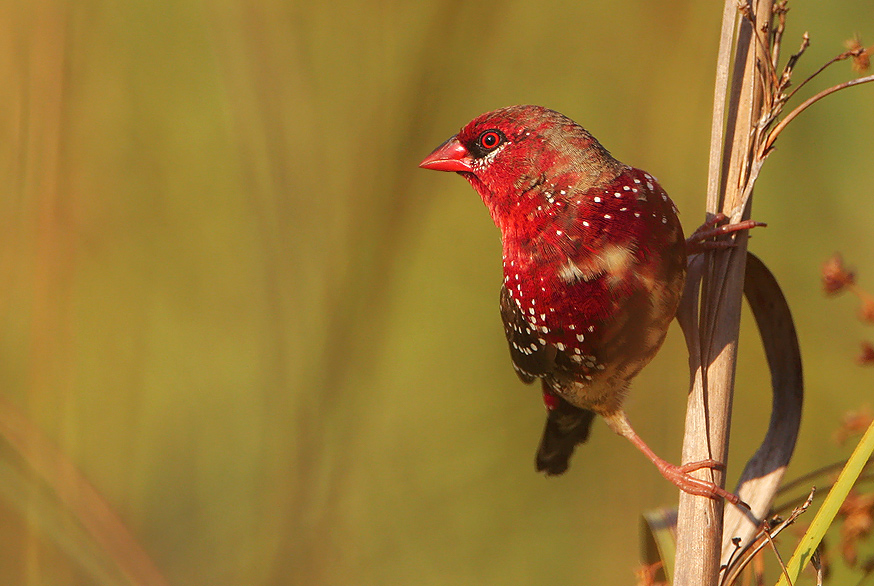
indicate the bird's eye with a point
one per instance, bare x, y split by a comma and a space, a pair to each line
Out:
490, 139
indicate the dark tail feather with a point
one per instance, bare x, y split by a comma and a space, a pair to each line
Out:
566, 426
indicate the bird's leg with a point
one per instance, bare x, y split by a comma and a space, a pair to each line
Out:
700, 241
678, 475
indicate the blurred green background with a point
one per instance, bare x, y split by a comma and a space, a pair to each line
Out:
273, 344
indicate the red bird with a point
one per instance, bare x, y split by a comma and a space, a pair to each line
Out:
594, 267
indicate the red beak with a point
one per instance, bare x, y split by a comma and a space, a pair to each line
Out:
449, 156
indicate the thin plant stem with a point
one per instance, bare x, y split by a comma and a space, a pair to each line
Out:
809, 102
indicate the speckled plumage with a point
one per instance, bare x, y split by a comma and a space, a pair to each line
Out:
594, 261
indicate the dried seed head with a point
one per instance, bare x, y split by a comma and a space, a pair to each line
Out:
866, 311
835, 277
853, 423
862, 58
857, 515
866, 357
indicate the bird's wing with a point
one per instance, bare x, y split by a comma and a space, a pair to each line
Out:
532, 355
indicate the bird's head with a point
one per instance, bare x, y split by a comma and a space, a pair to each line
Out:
521, 157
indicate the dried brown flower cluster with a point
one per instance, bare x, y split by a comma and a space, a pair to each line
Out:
853, 424
861, 54
837, 278
867, 354
857, 516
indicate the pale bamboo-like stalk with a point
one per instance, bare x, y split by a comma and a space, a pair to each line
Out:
708, 417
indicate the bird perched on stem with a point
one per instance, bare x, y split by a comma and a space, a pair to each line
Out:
594, 267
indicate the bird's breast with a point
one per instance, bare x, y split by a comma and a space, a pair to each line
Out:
599, 277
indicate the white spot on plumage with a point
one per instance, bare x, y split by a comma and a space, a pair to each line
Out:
626, 188
560, 346
597, 199
580, 337
608, 217
585, 223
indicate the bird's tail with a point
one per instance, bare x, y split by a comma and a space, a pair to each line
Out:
566, 426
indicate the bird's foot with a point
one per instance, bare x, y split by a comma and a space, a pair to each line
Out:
680, 477
700, 240
693, 466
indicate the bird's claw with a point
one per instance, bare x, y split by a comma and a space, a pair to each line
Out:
679, 476
700, 240
708, 463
